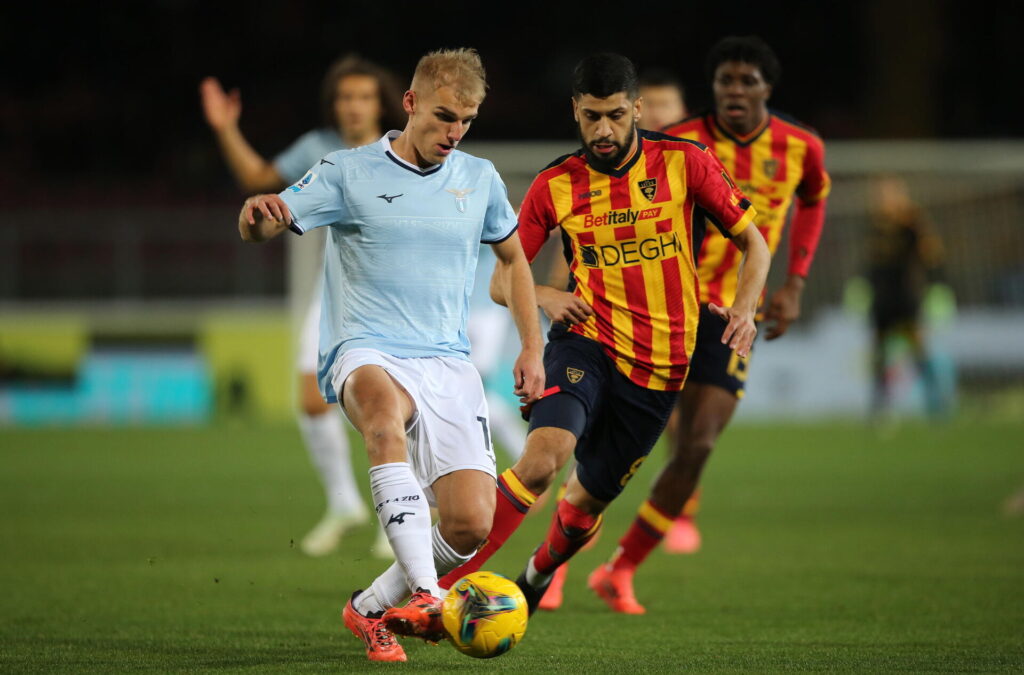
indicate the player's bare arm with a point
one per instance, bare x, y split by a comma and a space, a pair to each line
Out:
557, 304
222, 111
740, 332
263, 217
512, 286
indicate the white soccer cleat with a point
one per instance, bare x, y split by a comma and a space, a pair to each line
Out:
326, 535
382, 547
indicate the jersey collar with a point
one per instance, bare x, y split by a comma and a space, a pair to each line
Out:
385, 142
622, 169
740, 140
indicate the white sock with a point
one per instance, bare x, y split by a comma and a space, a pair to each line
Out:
391, 588
535, 578
328, 448
405, 516
445, 557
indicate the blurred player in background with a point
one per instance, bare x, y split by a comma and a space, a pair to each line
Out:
620, 349
357, 97
406, 218
664, 99
773, 159
904, 261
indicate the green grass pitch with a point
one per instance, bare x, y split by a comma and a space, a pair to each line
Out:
826, 549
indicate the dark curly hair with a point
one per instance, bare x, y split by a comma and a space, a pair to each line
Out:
745, 49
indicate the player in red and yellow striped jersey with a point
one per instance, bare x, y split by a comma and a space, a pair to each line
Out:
775, 161
631, 206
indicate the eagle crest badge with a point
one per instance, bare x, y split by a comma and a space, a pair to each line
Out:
461, 198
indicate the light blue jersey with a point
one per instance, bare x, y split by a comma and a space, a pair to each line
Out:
401, 250
292, 164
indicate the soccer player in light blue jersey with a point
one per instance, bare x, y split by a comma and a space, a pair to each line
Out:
357, 96
406, 216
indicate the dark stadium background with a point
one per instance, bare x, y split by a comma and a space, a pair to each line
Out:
99, 102
153, 485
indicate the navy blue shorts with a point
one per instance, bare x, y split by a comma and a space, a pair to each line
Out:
715, 363
616, 422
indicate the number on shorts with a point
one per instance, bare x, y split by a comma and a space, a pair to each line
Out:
738, 366
632, 470
487, 433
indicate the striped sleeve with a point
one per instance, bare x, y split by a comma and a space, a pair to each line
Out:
716, 192
815, 183
536, 217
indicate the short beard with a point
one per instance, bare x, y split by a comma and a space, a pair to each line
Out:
607, 165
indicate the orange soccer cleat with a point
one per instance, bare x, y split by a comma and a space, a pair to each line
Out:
683, 536
552, 599
615, 587
420, 617
381, 644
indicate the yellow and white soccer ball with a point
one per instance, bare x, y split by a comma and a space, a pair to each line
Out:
485, 614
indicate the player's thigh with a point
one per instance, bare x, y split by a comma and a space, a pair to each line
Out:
613, 450
372, 398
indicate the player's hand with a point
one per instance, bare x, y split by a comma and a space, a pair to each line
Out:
262, 217
784, 307
741, 330
222, 109
562, 306
528, 374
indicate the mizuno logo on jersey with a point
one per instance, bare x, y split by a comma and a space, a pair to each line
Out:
388, 199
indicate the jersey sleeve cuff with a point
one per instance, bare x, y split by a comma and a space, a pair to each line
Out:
501, 239
296, 228
743, 222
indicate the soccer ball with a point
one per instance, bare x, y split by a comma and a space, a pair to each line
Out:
485, 614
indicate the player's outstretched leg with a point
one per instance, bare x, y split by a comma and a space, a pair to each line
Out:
571, 528
465, 502
555, 595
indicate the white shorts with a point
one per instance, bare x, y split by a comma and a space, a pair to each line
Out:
449, 430
308, 353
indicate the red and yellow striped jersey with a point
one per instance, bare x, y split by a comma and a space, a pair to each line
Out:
629, 238
780, 159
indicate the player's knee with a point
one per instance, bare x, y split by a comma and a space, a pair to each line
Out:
384, 436
467, 531
694, 449
547, 451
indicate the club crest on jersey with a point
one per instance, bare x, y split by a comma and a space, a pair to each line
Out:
574, 374
303, 182
461, 198
649, 188
771, 167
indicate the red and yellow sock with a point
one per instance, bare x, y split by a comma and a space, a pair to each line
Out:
571, 529
513, 502
646, 532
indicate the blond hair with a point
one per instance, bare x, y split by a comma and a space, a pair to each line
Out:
459, 69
